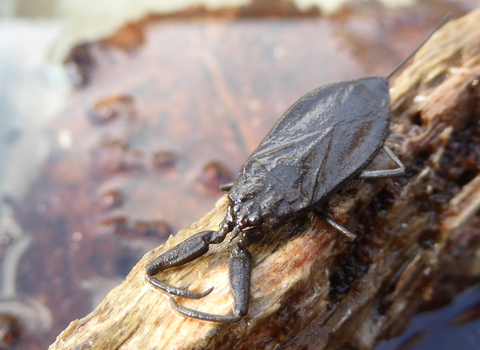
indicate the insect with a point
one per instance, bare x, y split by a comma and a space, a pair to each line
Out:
324, 140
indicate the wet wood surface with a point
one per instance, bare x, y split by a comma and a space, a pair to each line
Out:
418, 242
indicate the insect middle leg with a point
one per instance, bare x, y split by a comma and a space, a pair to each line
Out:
335, 224
366, 174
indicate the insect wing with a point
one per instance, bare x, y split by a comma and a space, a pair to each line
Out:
326, 137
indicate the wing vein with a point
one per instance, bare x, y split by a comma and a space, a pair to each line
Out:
321, 167
289, 189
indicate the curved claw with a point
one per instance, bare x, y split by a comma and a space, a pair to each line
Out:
203, 315
177, 291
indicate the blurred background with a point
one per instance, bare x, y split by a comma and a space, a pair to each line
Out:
120, 119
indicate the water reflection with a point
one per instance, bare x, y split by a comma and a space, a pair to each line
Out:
440, 329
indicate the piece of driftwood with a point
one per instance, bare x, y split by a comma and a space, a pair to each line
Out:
418, 238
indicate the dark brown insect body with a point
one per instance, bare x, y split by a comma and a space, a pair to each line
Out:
324, 140
318, 145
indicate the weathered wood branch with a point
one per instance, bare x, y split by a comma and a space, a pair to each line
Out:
419, 238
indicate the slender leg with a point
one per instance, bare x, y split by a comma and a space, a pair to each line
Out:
366, 174
183, 253
226, 187
335, 225
240, 273
377, 174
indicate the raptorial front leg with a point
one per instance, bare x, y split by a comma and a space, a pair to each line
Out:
188, 250
177, 291
240, 274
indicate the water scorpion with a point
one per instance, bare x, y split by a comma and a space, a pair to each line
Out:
323, 140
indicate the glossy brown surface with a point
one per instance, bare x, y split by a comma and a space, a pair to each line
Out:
318, 145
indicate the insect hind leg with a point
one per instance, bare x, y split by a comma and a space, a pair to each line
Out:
188, 250
379, 174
